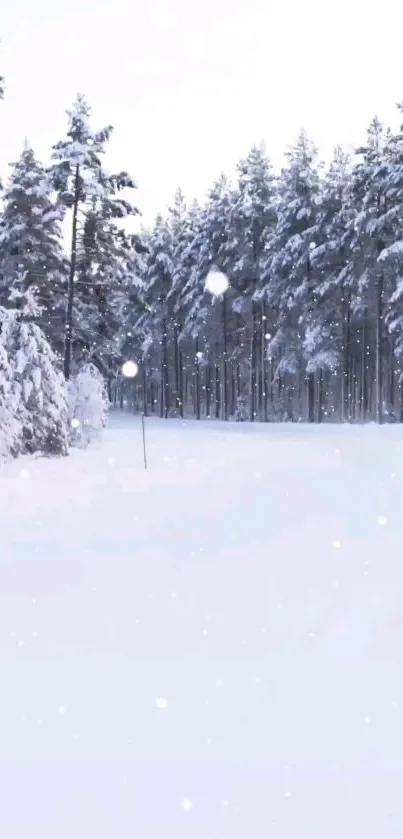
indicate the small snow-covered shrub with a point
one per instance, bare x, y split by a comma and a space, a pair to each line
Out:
88, 406
241, 411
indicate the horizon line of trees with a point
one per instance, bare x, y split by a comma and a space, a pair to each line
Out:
311, 326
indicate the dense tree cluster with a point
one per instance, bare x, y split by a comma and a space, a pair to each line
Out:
310, 328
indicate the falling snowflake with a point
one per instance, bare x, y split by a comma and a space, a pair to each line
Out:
336, 544
111, 461
216, 283
381, 520
75, 423
161, 703
187, 805
24, 474
130, 369
63, 709
219, 683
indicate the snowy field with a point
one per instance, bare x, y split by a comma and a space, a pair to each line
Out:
211, 649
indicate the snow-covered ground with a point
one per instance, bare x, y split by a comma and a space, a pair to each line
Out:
209, 649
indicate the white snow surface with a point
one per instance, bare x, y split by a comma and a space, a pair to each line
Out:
211, 648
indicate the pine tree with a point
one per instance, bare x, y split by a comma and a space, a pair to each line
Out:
372, 232
31, 254
94, 197
327, 350
292, 286
39, 396
157, 319
253, 222
217, 248
389, 179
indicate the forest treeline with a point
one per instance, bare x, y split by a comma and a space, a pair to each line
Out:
311, 326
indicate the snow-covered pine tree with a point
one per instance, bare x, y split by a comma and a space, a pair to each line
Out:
95, 199
156, 321
373, 231
327, 344
292, 285
390, 262
187, 286
216, 247
31, 248
39, 396
253, 222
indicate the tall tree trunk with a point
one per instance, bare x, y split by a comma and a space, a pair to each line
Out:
208, 389
320, 396
225, 357
197, 380
164, 375
363, 375
68, 335
144, 377
253, 365
217, 385
345, 372
378, 349
265, 382
311, 397
177, 370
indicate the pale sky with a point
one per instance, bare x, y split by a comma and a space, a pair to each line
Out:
189, 87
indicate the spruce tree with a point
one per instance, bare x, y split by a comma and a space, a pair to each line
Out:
31, 252
292, 286
94, 198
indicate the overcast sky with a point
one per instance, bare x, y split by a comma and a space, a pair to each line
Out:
190, 86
